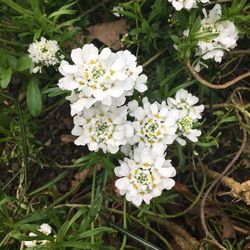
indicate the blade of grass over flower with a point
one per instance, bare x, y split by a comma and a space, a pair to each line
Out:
23, 137
181, 86
50, 183
131, 235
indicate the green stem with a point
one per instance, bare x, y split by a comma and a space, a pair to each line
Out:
124, 242
151, 59
92, 201
23, 137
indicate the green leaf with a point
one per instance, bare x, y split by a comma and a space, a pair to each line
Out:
35, 7
34, 99
37, 34
11, 61
24, 63
5, 77
18, 7
181, 86
95, 207
61, 12
95, 231
49, 184
175, 38
55, 91
65, 227
33, 218
232, 118
109, 166
81, 245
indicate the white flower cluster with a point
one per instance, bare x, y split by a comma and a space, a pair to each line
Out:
104, 127
144, 175
45, 229
44, 53
186, 4
185, 102
99, 84
221, 36
155, 124
107, 77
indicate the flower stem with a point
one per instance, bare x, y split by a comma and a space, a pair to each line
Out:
124, 242
92, 200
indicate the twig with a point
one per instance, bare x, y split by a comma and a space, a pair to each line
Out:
212, 85
203, 201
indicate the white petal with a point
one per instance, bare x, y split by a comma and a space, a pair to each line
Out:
77, 56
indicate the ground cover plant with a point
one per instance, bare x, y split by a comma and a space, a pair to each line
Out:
124, 124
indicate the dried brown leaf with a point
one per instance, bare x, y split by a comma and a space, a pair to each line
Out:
65, 139
182, 189
228, 229
109, 33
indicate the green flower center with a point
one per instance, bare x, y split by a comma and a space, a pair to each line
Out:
102, 130
183, 105
186, 123
143, 176
151, 129
97, 72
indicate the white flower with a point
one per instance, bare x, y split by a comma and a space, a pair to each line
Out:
45, 228
185, 125
226, 35
144, 175
104, 76
44, 53
30, 243
183, 4
80, 102
155, 125
102, 127
185, 102
186, 4
116, 10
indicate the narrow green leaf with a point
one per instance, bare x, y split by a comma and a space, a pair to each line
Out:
181, 86
33, 218
95, 231
17, 7
81, 245
50, 183
34, 99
